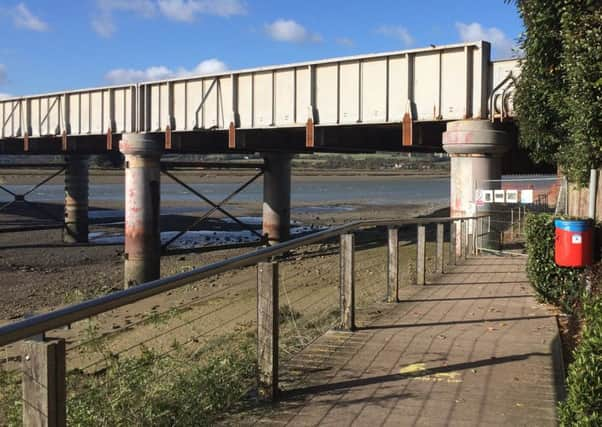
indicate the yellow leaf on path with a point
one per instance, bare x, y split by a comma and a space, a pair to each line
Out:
412, 369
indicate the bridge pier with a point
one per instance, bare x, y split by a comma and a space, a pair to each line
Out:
277, 197
142, 207
76, 199
476, 149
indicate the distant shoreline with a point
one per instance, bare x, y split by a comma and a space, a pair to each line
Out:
109, 176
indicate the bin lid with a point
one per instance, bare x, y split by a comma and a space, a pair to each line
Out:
575, 225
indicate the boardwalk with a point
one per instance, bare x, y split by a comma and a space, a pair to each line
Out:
471, 348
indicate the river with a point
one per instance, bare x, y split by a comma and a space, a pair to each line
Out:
379, 190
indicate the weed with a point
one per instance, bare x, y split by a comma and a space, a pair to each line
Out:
93, 341
73, 296
10, 398
287, 314
164, 390
156, 318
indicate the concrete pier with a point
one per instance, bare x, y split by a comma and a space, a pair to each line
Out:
142, 208
476, 150
277, 196
76, 199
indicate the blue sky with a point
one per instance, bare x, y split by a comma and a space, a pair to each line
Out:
48, 45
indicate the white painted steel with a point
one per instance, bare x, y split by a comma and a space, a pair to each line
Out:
440, 83
500, 69
85, 112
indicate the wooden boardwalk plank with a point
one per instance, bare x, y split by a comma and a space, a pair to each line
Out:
471, 348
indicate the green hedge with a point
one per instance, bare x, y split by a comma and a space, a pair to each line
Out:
583, 405
560, 286
564, 287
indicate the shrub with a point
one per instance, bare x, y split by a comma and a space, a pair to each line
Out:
557, 98
560, 286
583, 405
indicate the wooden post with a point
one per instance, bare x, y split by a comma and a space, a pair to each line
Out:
475, 236
479, 237
452, 242
347, 285
393, 265
464, 245
44, 391
470, 237
440, 236
267, 329
420, 256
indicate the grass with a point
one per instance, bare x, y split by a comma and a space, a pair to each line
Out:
156, 318
186, 387
196, 383
10, 398
180, 389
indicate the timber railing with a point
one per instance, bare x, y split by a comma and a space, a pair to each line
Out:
44, 359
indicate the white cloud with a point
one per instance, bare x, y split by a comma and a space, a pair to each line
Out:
345, 41
129, 75
176, 10
186, 10
5, 95
208, 66
103, 22
179, 10
103, 25
287, 30
23, 18
501, 44
146, 8
3, 74
397, 32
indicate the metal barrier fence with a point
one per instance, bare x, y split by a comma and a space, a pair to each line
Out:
507, 202
44, 372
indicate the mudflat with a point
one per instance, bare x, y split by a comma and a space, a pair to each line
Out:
38, 272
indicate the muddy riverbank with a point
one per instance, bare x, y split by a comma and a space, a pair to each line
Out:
38, 272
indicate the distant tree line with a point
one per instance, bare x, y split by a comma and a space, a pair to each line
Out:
373, 163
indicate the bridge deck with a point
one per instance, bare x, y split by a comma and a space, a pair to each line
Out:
385, 101
472, 348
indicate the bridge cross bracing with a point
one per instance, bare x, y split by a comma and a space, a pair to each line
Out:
392, 101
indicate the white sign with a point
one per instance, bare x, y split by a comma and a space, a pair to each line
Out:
511, 196
576, 239
487, 196
499, 197
526, 196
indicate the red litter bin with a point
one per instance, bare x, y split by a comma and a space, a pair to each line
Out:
573, 246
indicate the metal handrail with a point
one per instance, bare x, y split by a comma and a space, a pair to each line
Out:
491, 100
65, 316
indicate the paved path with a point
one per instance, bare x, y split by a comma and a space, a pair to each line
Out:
471, 348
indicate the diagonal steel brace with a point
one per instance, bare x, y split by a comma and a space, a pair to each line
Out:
215, 207
22, 197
